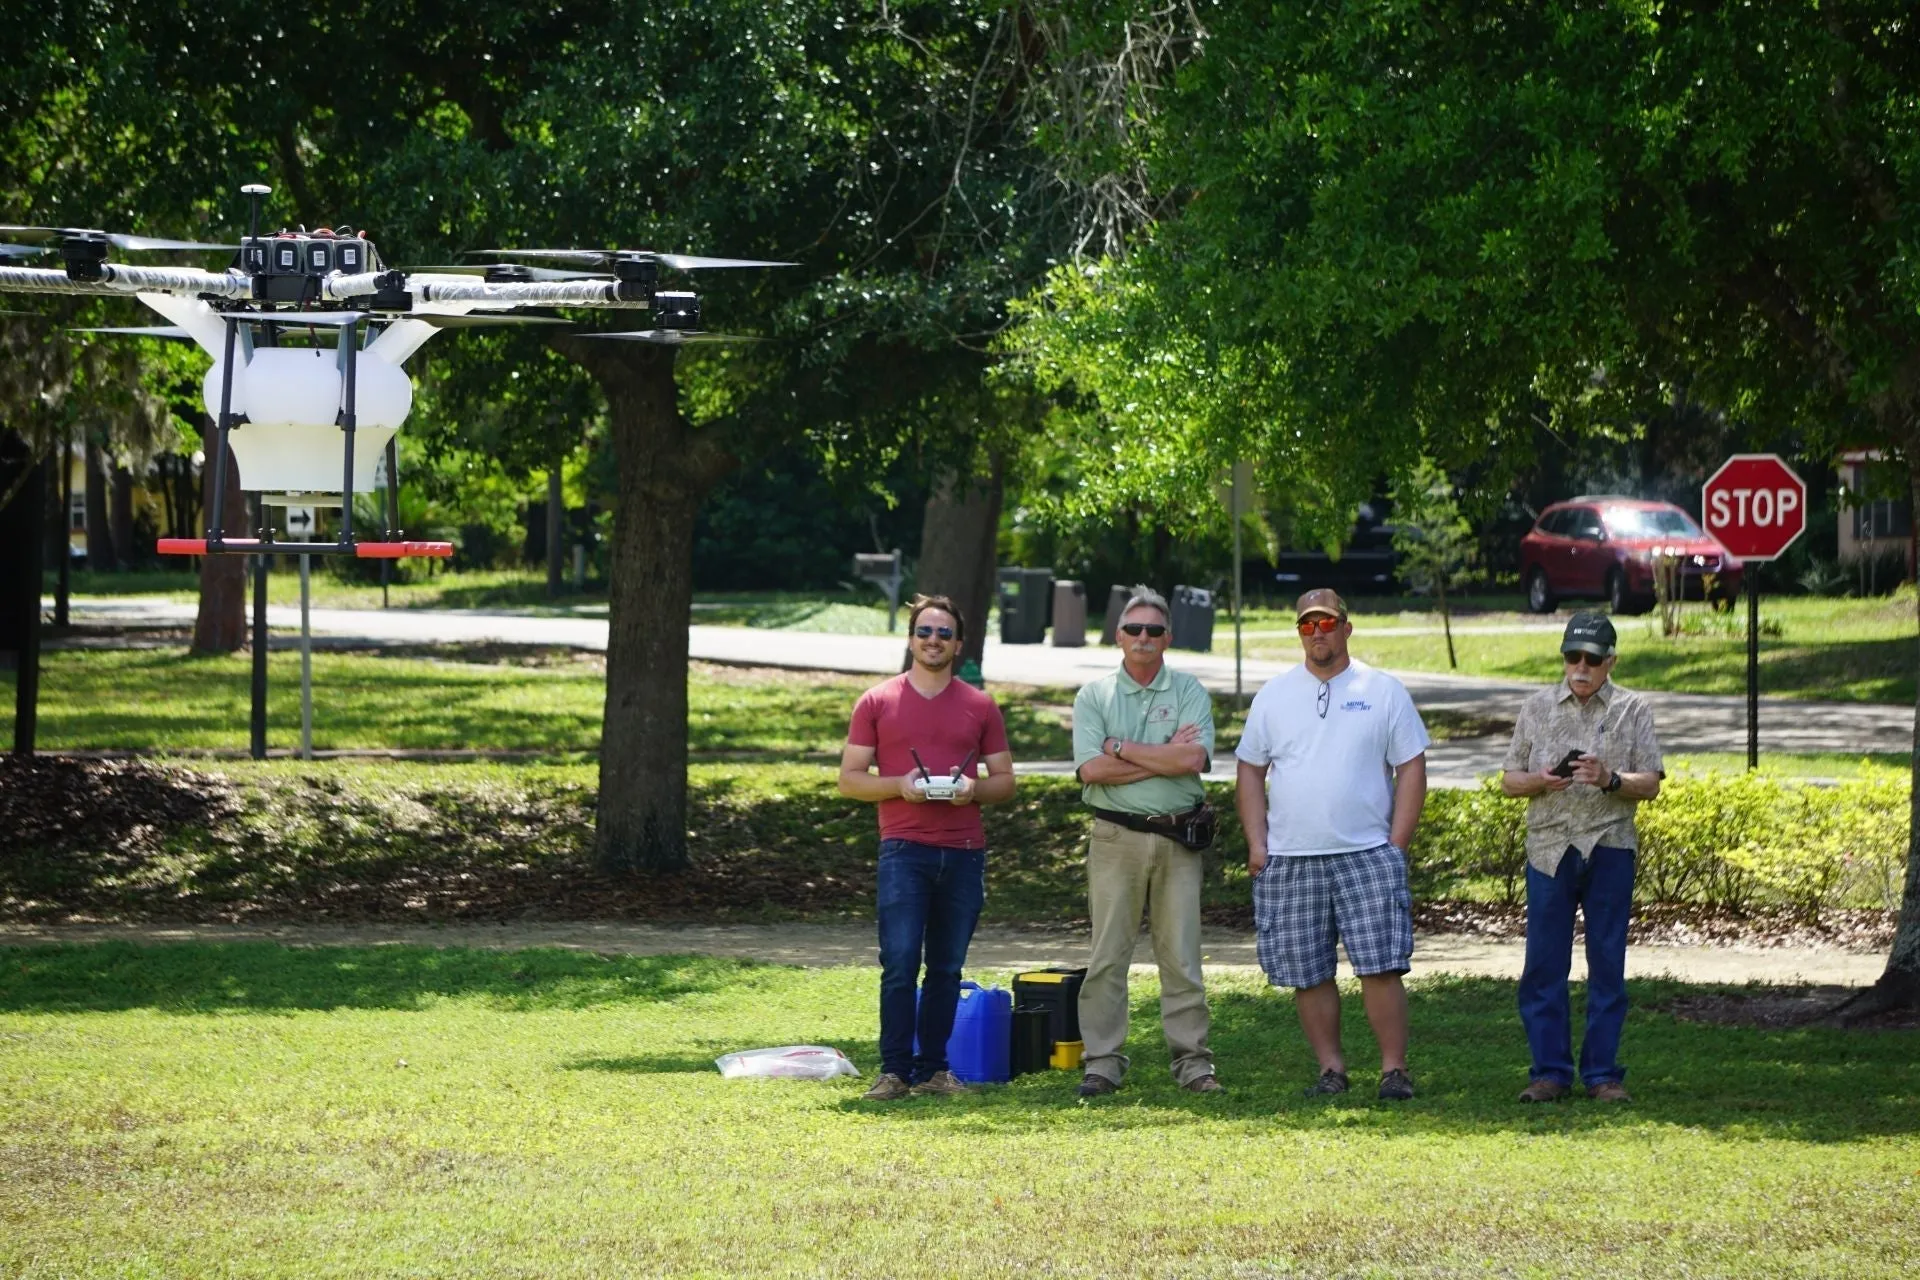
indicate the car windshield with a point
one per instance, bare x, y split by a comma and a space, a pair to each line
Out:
1642, 522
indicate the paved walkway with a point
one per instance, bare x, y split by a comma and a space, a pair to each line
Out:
1689, 723
994, 947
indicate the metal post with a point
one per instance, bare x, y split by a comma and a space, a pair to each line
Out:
1753, 666
258, 743
216, 526
306, 666
1238, 693
351, 336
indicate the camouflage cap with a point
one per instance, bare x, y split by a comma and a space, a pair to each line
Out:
1319, 600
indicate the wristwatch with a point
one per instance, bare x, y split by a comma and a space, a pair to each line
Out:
1613, 783
1117, 744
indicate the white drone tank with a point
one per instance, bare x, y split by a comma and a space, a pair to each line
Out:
292, 397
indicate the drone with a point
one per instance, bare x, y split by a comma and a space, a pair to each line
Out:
308, 425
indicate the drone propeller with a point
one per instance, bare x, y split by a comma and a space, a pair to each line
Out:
171, 332
672, 337
532, 273
21, 250
483, 321
607, 257
121, 240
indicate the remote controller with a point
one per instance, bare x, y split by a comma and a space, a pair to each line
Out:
937, 788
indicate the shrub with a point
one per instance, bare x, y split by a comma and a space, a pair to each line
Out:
1731, 842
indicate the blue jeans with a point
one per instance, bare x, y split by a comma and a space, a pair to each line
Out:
1602, 887
929, 899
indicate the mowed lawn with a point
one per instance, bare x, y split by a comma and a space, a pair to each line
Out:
253, 1110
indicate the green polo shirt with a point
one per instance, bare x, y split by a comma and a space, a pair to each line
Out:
1115, 707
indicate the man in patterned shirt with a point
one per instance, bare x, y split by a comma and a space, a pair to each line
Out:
1585, 755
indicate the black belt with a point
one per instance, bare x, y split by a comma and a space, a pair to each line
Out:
1158, 824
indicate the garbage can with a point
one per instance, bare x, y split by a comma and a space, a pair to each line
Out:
1069, 614
1193, 619
1117, 597
1024, 598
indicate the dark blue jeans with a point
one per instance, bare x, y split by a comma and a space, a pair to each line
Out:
1601, 886
929, 900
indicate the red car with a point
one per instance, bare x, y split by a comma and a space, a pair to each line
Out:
1603, 548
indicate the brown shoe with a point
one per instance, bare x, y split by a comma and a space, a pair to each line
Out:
1204, 1084
1096, 1086
943, 1083
888, 1088
1609, 1091
1544, 1090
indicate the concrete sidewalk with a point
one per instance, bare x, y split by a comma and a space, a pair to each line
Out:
994, 947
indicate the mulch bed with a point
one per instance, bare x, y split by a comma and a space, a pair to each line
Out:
1784, 1008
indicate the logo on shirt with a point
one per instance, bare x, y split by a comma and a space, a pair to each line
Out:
1160, 715
1356, 704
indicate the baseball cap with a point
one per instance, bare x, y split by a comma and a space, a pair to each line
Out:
1320, 600
1589, 632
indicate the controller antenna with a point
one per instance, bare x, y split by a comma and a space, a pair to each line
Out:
256, 191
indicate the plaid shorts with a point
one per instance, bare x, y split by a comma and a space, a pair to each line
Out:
1303, 906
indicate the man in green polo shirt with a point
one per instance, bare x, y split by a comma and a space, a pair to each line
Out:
1142, 737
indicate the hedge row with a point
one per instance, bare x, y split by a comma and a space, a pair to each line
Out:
1727, 841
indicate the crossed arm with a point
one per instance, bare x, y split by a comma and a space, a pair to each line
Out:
858, 784
1179, 756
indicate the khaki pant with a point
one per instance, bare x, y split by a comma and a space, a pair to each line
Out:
1128, 870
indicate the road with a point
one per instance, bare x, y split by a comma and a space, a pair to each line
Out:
1688, 723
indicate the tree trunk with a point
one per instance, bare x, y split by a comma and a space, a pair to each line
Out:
120, 517
100, 557
665, 470
959, 534
1899, 986
221, 625
556, 512
22, 527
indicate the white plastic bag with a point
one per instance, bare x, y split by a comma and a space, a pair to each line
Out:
789, 1062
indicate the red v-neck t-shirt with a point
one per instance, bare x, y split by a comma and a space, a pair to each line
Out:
896, 720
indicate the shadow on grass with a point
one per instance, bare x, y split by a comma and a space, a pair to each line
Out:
1469, 1060
664, 1064
267, 978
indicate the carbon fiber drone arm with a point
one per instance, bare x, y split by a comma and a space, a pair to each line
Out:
533, 293
116, 278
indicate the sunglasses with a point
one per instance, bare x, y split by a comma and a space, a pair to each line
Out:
1576, 657
1322, 625
945, 633
1154, 629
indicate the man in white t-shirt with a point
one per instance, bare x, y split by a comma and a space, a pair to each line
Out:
1333, 769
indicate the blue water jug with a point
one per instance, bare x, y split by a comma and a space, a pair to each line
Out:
982, 1035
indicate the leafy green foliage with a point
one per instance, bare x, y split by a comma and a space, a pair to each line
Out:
1728, 841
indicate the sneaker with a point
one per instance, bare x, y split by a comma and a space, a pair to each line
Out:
1544, 1090
1609, 1091
1330, 1081
1093, 1086
888, 1088
1204, 1084
940, 1082
1395, 1085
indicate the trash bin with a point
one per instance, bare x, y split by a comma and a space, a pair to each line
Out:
1193, 619
1069, 614
1117, 597
1024, 598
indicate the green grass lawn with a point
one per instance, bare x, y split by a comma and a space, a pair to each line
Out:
252, 1110
491, 698
1811, 647
521, 590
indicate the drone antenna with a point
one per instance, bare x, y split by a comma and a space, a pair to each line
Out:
256, 191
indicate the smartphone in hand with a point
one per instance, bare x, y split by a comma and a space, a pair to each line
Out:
1565, 768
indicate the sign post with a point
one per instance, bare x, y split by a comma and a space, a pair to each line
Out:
1755, 506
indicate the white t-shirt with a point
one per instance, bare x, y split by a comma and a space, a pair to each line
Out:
1330, 761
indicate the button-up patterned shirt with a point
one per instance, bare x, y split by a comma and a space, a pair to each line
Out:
1615, 724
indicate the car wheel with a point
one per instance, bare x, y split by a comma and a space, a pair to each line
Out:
1620, 600
1539, 594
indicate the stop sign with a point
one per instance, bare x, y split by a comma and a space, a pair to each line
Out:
1755, 505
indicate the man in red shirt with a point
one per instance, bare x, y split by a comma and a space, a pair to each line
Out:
921, 727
